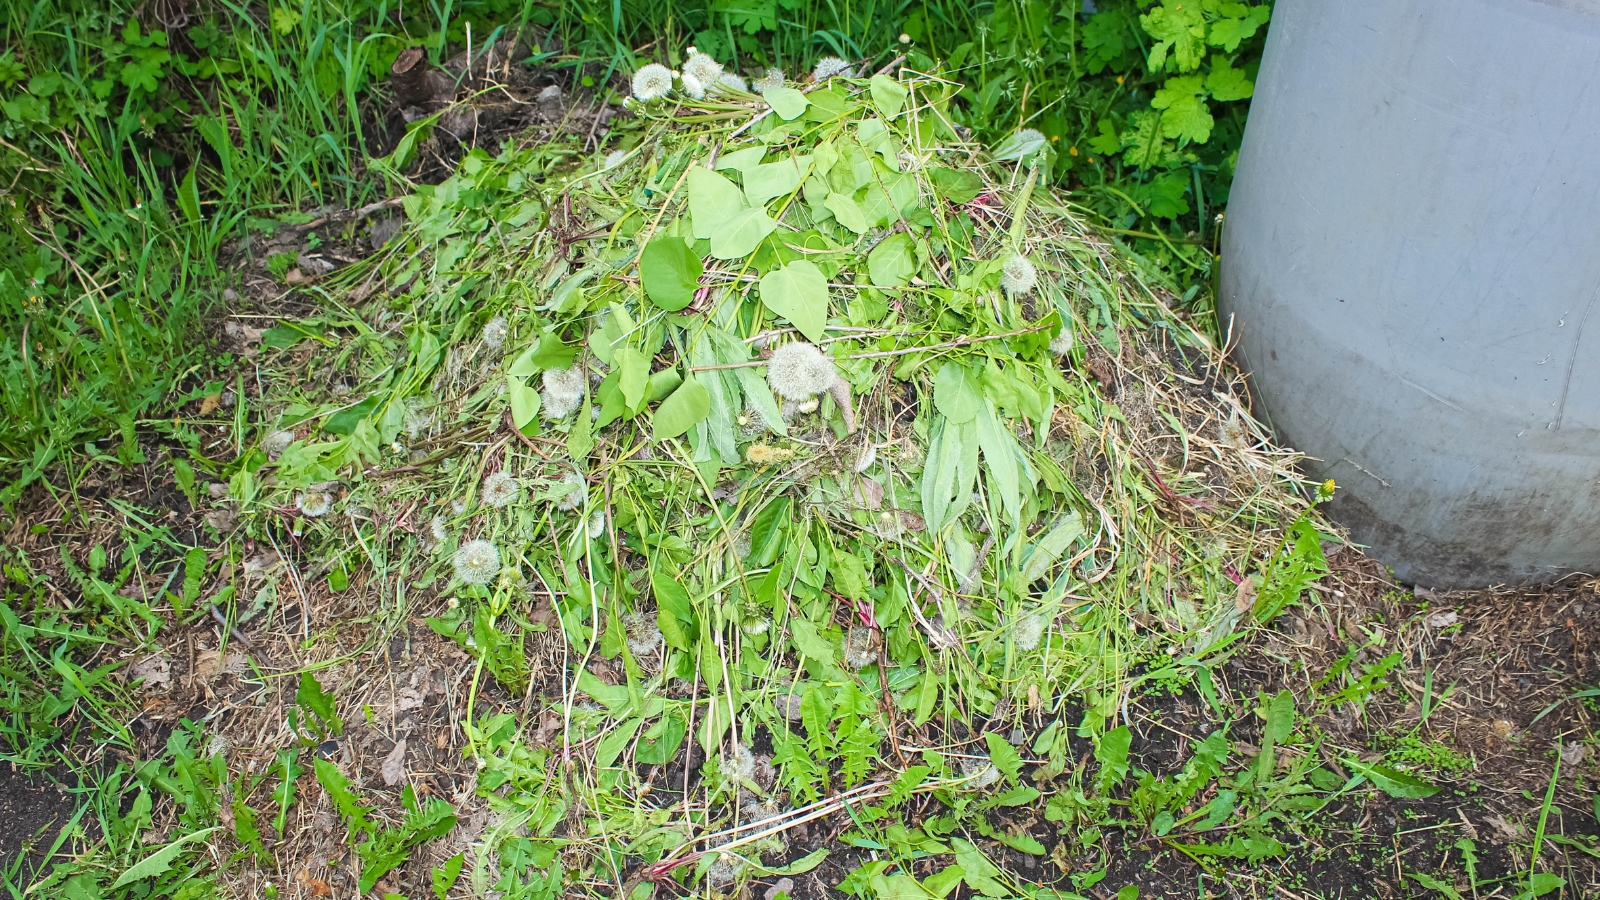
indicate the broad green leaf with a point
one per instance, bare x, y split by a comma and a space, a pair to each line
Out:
1394, 782
444, 877
1228, 33
774, 179
811, 643
1021, 145
742, 160
1000, 454
897, 887
848, 212
788, 103
1111, 751
670, 272
958, 185
158, 862
524, 401
888, 95
977, 871
799, 293
1050, 547
892, 263
612, 745
949, 472
1004, 756
189, 197
713, 199
737, 236
548, 353
954, 394
633, 375
758, 393
1227, 83
688, 406
1184, 115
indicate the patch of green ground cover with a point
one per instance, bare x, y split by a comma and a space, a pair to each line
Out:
134, 146
920, 508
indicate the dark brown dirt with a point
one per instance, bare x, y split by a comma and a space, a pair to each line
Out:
33, 809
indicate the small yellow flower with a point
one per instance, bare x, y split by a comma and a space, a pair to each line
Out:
1119, 79
1072, 151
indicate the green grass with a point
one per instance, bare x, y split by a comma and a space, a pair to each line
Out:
136, 155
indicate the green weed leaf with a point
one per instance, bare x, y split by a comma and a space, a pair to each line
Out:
158, 862
1004, 756
788, 103
1394, 782
892, 263
713, 200
670, 272
888, 95
444, 877
738, 235
799, 293
688, 406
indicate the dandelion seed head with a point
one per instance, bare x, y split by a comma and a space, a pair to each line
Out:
437, 529
652, 82
773, 79
703, 69
477, 562
829, 66
219, 745
981, 772
563, 391
740, 764
732, 81
1028, 630
693, 86
499, 489
275, 443
597, 523
861, 647
615, 158
494, 333
314, 503
644, 637
1061, 344
724, 872
578, 496
799, 370
1017, 275
807, 406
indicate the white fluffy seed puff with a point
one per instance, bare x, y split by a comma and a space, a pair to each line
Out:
563, 391
494, 333
703, 70
499, 489
652, 82
644, 638
1061, 344
477, 562
773, 79
1017, 275
799, 371
732, 82
576, 497
829, 66
315, 503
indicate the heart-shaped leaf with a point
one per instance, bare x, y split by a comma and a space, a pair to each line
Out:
688, 406
737, 236
888, 95
670, 272
788, 103
712, 200
799, 293
892, 263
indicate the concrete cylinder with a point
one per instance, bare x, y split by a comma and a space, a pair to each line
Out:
1411, 264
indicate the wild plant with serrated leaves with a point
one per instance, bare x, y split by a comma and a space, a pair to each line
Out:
810, 428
